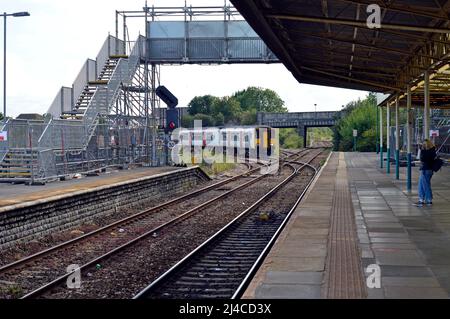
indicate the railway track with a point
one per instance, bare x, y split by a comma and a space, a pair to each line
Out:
43, 270
223, 265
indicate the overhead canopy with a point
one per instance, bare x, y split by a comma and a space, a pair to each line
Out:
328, 42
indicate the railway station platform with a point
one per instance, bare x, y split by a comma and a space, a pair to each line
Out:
12, 194
358, 227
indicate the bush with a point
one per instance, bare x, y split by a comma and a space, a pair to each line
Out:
361, 116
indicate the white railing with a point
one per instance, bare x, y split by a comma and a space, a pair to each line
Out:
58, 134
4, 146
66, 97
105, 97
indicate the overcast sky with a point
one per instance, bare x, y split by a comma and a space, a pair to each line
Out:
47, 50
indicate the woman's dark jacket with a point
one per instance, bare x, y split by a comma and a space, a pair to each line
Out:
427, 157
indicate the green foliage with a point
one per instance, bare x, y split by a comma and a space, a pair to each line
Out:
188, 120
207, 120
229, 107
216, 168
220, 119
248, 117
289, 138
240, 108
201, 104
1, 116
260, 100
319, 134
361, 116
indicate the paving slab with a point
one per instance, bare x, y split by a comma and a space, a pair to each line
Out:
410, 244
270, 291
393, 292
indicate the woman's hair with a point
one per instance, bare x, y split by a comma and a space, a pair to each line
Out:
427, 144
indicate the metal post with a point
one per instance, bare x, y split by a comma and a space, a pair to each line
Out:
388, 137
4, 66
117, 33
124, 34
377, 132
381, 137
397, 140
426, 109
153, 106
30, 137
409, 142
146, 96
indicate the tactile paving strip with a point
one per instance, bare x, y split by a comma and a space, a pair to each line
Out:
344, 278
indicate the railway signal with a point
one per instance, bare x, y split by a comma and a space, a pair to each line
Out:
167, 97
172, 120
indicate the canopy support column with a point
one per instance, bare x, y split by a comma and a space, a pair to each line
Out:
426, 109
397, 140
388, 138
381, 137
409, 139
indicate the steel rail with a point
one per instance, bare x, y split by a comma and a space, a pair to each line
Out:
123, 220
154, 285
47, 251
251, 273
177, 219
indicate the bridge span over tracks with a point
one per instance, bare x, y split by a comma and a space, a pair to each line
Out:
299, 120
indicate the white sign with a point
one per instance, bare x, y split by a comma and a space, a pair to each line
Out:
434, 133
355, 133
3, 136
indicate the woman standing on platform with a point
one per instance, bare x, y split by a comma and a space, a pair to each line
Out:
427, 157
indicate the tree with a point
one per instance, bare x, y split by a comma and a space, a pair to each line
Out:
207, 120
201, 104
248, 117
260, 100
220, 119
187, 121
241, 108
230, 108
289, 138
361, 116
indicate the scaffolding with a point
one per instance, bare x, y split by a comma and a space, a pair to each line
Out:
110, 116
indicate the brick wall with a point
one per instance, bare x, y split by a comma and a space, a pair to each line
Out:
28, 221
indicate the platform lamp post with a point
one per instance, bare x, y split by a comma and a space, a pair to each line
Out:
4, 15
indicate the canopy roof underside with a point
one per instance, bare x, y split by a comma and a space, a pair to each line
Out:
328, 42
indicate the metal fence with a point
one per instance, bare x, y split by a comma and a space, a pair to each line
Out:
68, 146
62, 152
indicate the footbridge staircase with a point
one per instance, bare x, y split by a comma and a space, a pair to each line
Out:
38, 150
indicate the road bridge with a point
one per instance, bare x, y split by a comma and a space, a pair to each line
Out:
298, 120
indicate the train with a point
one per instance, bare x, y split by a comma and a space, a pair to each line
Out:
259, 143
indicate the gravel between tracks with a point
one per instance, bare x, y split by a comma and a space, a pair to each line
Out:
124, 274
26, 249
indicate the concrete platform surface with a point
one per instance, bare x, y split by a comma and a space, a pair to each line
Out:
321, 246
11, 194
